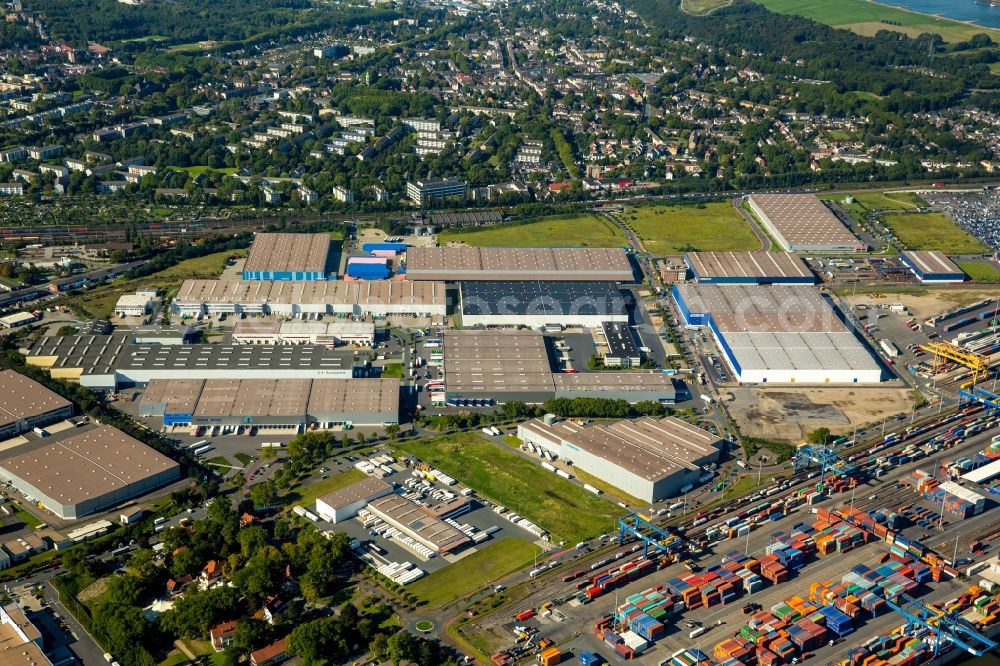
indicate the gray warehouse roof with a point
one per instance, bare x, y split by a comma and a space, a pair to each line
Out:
418, 520
534, 297
932, 262
356, 492
754, 308
500, 263
22, 398
87, 464
337, 292
803, 220
650, 448
760, 265
289, 252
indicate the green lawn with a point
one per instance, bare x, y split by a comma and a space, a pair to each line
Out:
392, 371
867, 18
220, 461
100, 302
175, 658
715, 227
933, 231
27, 517
980, 271
608, 489
565, 509
586, 230
888, 200
995, 67
307, 495
202, 168
474, 571
244, 458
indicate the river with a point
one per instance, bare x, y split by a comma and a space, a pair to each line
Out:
980, 13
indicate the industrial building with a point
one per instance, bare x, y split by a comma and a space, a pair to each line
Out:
379, 298
88, 471
368, 268
803, 223
27, 404
344, 504
21, 643
932, 267
651, 459
297, 257
515, 365
748, 268
273, 403
457, 264
621, 350
108, 362
419, 523
778, 333
535, 304
294, 332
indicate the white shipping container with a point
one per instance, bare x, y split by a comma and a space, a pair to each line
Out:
592, 489
548, 467
563, 474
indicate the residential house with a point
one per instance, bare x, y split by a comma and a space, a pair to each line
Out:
221, 635
270, 655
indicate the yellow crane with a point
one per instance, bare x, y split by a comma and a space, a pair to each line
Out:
977, 363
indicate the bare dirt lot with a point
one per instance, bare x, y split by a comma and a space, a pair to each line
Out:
925, 302
788, 414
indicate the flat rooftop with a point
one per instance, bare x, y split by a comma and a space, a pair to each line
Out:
87, 465
14, 650
755, 308
541, 298
418, 521
98, 354
931, 262
289, 252
803, 220
499, 263
337, 292
749, 265
652, 449
274, 397
356, 492
249, 328
618, 335
24, 398
614, 381
493, 361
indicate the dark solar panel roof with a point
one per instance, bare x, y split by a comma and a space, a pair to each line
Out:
620, 341
532, 297
473, 218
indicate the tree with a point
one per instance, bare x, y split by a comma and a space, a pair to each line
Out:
379, 647
263, 494
251, 634
819, 436
392, 430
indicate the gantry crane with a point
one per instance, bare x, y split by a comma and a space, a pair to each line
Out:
828, 459
635, 525
977, 363
946, 627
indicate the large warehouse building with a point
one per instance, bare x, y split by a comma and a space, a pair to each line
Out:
378, 298
932, 267
288, 257
803, 223
534, 304
273, 403
88, 471
26, 404
504, 366
343, 504
748, 268
455, 264
647, 458
778, 334
108, 362
326, 333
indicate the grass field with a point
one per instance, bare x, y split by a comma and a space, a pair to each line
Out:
566, 510
716, 227
220, 461
100, 302
392, 371
307, 495
933, 231
702, 7
867, 18
27, 518
243, 458
980, 271
888, 200
198, 170
474, 571
567, 230
608, 489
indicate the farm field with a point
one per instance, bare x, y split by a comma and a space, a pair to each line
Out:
565, 509
980, 271
867, 18
702, 7
933, 231
100, 302
489, 563
714, 227
587, 230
